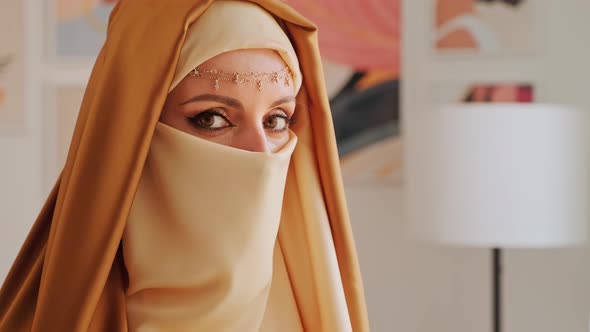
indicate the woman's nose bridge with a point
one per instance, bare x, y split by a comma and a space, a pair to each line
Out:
254, 138
259, 139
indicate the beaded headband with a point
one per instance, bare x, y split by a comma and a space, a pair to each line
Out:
283, 74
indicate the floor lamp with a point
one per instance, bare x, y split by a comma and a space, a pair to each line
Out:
498, 176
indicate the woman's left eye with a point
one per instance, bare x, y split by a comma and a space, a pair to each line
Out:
277, 122
210, 120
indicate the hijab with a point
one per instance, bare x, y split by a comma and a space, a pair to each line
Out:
70, 274
200, 245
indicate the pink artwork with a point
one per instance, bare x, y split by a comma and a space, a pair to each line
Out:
4, 63
499, 93
360, 45
485, 92
80, 27
72, 9
12, 108
361, 34
483, 26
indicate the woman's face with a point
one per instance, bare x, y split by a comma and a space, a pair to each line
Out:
236, 115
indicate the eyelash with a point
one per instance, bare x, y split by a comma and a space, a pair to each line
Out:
214, 111
282, 115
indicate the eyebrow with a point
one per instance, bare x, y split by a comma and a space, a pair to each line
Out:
283, 101
211, 97
231, 101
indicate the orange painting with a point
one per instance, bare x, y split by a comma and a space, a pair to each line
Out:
499, 93
72, 9
81, 27
483, 26
485, 92
12, 82
4, 63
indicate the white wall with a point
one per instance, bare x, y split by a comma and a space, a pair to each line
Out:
410, 287
419, 288
20, 153
19, 180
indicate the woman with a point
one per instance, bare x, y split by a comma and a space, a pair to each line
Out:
190, 199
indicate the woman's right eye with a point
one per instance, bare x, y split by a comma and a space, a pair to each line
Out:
210, 120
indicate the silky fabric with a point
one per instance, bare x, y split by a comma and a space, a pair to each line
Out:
70, 275
281, 312
200, 238
219, 277
233, 25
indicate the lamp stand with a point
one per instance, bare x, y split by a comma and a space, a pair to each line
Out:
497, 288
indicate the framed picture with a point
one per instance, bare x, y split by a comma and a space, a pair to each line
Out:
12, 83
78, 28
483, 26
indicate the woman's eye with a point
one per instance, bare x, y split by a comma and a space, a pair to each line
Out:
210, 120
276, 122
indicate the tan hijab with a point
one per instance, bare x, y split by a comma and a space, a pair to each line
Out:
234, 25
69, 275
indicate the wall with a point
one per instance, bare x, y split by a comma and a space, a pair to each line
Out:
421, 288
410, 287
545, 290
20, 152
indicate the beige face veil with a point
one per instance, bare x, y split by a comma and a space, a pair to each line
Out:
200, 238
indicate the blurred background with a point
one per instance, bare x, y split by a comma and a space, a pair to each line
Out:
447, 51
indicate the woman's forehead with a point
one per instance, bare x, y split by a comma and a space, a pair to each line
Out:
247, 60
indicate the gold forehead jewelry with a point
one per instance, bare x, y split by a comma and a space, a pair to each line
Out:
241, 78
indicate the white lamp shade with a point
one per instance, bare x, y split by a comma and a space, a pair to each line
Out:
499, 175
